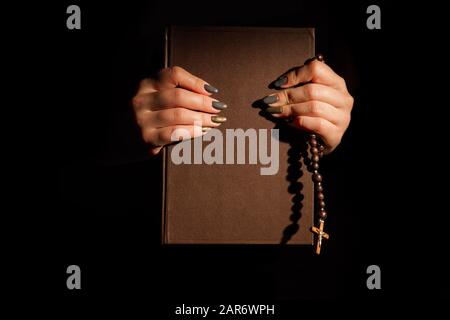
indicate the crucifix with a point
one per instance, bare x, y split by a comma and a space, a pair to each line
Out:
320, 234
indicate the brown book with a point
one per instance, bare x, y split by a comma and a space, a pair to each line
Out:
235, 200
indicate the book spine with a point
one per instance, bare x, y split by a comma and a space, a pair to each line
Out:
164, 235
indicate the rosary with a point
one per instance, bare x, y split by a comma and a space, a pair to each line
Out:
316, 150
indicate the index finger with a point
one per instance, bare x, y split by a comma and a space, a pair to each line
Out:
173, 77
316, 72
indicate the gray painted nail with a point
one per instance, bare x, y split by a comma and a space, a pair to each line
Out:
218, 105
218, 119
270, 99
211, 89
274, 110
281, 81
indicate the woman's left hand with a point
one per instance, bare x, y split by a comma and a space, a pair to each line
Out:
322, 105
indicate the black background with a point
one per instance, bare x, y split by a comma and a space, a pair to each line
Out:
86, 193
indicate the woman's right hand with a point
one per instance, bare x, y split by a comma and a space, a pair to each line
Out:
175, 99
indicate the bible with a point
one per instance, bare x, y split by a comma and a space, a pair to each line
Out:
246, 181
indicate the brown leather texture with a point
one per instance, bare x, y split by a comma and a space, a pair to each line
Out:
234, 203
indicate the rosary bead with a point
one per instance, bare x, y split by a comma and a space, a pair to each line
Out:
322, 214
320, 196
321, 204
321, 148
317, 177
313, 142
315, 166
315, 158
314, 150
319, 188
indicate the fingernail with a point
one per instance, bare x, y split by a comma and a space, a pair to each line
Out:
218, 119
274, 110
280, 81
205, 129
219, 105
210, 88
270, 99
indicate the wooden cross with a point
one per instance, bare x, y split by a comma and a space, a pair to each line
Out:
320, 234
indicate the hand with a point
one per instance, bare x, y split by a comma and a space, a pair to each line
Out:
175, 100
321, 104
